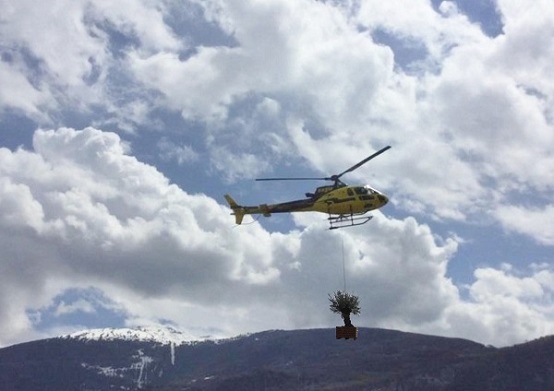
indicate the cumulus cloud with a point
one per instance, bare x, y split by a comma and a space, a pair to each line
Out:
94, 213
535, 222
56, 63
303, 55
181, 154
78, 306
504, 306
19, 94
462, 102
482, 104
90, 214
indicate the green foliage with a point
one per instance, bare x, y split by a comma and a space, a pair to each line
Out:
344, 303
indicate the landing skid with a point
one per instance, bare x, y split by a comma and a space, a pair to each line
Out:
349, 220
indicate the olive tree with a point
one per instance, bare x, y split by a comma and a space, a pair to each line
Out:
344, 303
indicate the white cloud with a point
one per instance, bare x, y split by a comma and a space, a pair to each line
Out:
282, 51
90, 215
110, 217
349, 84
535, 222
417, 21
505, 307
18, 92
46, 35
181, 154
77, 306
17, 205
470, 125
63, 56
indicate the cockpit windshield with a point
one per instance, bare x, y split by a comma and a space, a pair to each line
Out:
365, 190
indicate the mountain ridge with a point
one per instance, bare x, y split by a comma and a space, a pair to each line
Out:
279, 360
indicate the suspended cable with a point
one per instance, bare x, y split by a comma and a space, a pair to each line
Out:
343, 264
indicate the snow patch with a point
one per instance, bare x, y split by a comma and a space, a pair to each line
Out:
172, 347
161, 335
142, 366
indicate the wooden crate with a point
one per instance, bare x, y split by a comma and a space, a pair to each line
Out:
346, 332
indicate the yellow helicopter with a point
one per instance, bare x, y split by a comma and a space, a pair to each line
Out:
345, 205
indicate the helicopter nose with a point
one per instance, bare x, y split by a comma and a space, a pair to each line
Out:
383, 199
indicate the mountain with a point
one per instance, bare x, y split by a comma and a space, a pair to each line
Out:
165, 359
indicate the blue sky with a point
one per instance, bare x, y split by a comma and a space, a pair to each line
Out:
122, 124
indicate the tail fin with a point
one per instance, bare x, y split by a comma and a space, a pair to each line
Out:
238, 210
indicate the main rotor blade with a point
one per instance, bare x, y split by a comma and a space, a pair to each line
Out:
291, 179
355, 166
332, 177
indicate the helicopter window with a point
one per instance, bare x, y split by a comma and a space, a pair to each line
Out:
323, 190
350, 192
369, 190
360, 190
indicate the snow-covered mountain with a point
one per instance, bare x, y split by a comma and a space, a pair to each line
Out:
156, 334
167, 360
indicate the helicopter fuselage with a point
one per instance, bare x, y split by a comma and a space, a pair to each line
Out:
344, 200
349, 200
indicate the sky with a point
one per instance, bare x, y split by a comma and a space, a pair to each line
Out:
123, 124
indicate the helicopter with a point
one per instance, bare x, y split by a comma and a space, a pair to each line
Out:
346, 205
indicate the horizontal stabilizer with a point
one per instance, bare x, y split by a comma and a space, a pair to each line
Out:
238, 211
